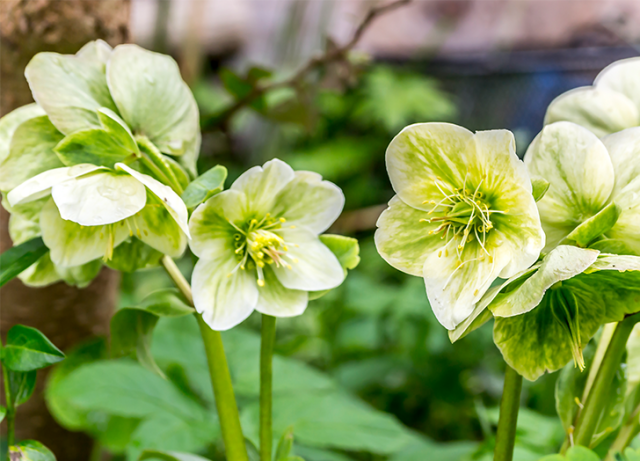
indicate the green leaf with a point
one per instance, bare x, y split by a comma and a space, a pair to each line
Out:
576, 453
612, 246
121, 133
21, 385
595, 226
169, 456
285, 445
30, 152
28, 349
131, 333
18, 258
540, 187
422, 449
166, 303
205, 186
96, 146
346, 250
30, 450
133, 255
241, 87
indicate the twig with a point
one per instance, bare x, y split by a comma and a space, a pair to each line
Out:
331, 55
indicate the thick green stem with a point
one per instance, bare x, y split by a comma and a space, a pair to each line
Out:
509, 406
266, 381
590, 414
219, 372
11, 410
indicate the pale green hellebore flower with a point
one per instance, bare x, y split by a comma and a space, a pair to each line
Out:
259, 245
93, 209
463, 215
594, 186
610, 105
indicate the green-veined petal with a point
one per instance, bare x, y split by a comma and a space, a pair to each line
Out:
278, 301
403, 240
311, 265
600, 110
224, 300
309, 201
31, 152
40, 186
171, 201
10, 122
153, 99
71, 244
100, 198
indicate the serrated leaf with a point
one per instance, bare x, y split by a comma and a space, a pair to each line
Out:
169, 456
18, 258
595, 226
204, 186
540, 187
30, 450
131, 333
21, 385
28, 349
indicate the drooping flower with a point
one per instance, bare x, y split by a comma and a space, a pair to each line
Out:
594, 187
612, 104
463, 215
94, 209
259, 245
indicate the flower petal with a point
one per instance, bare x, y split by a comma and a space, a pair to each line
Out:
278, 301
159, 230
100, 198
10, 122
423, 152
31, 152
211, 232
600, 110
622, 77
454, 288
309, 201
71, 244
70, 89
39, 186
224, 301
153, 99
261, 185
561, 264
317, 268
171, 201
96, 50
577, 166
402, 240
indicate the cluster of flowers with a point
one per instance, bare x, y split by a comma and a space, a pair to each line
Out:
97, 166
549, 246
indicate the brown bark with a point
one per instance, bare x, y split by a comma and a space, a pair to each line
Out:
65, 314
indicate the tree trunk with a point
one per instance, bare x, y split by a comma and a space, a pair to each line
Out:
63, 313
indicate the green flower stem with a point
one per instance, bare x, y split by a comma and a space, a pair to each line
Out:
603, 344
590, 413
627, 433
266, 385
509, 406
11, 410
219, 371
153, 159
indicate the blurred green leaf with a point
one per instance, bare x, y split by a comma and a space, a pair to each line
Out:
421, 449
285, 445
205, 186
131, 333
21, 385
133, 255
576, 453
241, 87
30, 450
169, 456
28, 349
18, 258
166, 303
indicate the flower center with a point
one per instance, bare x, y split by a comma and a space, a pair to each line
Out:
463, 215
258, 245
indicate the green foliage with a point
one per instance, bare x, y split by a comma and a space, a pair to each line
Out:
30, 450
169, 456
27, 349
576, 453
20, 257
595, 226
96, 146
204, 186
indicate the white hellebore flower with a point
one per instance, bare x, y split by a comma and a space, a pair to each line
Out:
463, 215
94, 209
259, 248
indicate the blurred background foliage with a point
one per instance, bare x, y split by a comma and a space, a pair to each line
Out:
367, 373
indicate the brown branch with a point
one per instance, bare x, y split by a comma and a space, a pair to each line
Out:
335, 54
